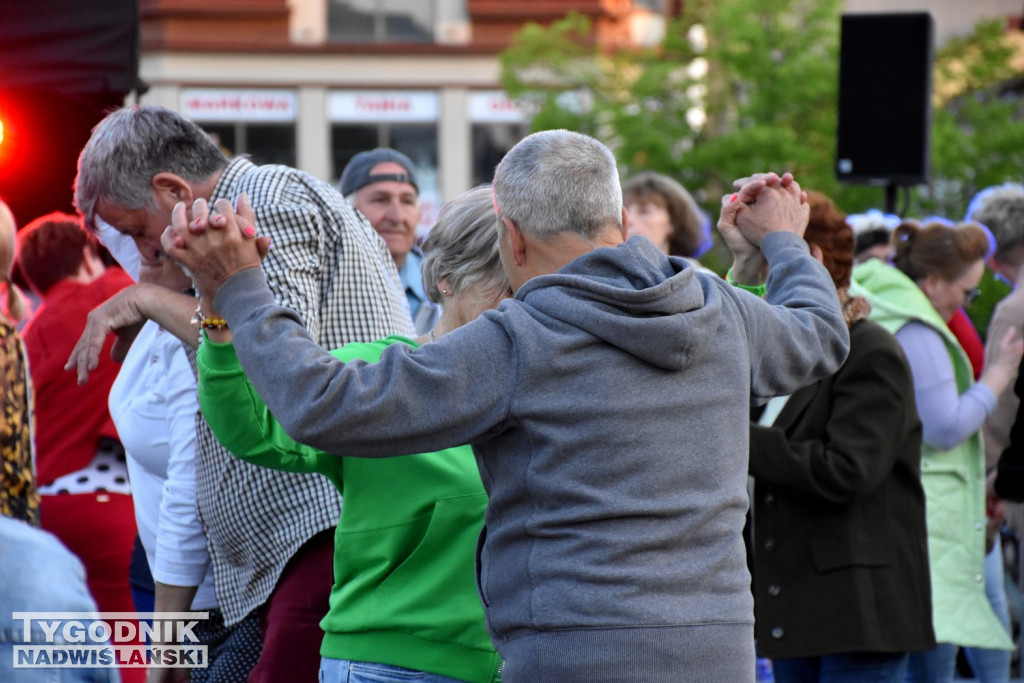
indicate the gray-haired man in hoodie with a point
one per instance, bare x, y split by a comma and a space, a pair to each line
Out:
607, 403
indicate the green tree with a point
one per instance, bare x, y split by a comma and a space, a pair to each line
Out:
765, 77
977, 122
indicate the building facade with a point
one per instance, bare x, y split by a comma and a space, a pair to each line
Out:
311, 82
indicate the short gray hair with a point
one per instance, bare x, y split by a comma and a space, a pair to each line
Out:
559, 181
462, 247
130, 146
1000, 208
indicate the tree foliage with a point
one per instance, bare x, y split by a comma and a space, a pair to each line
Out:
977, 122
765, 76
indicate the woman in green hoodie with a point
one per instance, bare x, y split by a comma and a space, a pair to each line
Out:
404, 604
937, 270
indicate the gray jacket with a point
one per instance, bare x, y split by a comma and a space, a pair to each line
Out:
608, 406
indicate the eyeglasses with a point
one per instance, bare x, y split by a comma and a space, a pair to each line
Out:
970, 295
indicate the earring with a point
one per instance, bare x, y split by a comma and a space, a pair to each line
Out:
444, 292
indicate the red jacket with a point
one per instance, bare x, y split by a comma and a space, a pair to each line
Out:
70, 419
962, 328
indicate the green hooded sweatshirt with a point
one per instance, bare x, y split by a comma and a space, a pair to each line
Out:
404, 583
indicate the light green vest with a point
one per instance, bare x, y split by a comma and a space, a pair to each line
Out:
953, 479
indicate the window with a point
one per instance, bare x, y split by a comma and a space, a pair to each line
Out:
260, 123
498, 124
491, 141
266, 143
381, 21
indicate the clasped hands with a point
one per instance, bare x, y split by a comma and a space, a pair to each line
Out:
762, 204
214, 244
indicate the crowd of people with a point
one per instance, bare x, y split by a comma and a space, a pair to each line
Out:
541, 444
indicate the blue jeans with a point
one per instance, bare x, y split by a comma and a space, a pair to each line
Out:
933, 666
344, 671
867, 667
38, 574
993, 666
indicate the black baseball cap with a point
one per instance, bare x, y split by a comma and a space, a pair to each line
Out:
357, 172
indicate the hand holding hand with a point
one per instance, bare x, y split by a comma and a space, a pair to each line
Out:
779, 206
749, 265
214, 246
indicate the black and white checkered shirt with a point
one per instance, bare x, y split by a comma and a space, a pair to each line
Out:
327, 263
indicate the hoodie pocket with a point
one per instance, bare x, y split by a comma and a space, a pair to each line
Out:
433, 587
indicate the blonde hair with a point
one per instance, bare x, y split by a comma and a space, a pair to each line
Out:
14, 302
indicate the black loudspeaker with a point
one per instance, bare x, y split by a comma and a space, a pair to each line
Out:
885, 89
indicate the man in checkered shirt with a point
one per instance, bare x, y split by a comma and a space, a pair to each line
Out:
270, 533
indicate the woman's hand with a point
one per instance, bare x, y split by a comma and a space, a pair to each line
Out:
1002, 365
749, 266
121, 314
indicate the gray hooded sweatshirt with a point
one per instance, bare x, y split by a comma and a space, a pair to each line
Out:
608, 407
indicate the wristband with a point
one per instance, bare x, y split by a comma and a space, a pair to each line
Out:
208, 323
756, 290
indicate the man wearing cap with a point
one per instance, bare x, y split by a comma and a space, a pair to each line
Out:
381, 184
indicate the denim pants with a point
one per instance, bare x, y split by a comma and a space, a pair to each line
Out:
937, 665
39, 574
867, 667
344, 671
993, 666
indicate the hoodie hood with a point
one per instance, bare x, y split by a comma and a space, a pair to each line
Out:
631, 296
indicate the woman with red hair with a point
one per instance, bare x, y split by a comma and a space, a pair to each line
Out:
839, 542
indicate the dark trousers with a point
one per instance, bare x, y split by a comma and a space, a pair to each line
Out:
290, 619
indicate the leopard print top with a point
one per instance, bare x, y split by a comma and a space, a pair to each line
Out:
18, 495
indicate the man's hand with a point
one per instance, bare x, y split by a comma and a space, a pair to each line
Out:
119, 314
780, 206
215, 245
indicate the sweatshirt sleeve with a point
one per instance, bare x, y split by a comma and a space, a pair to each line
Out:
411, 401
797, 334
241, 421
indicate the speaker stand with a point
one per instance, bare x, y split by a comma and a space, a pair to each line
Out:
890, 198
